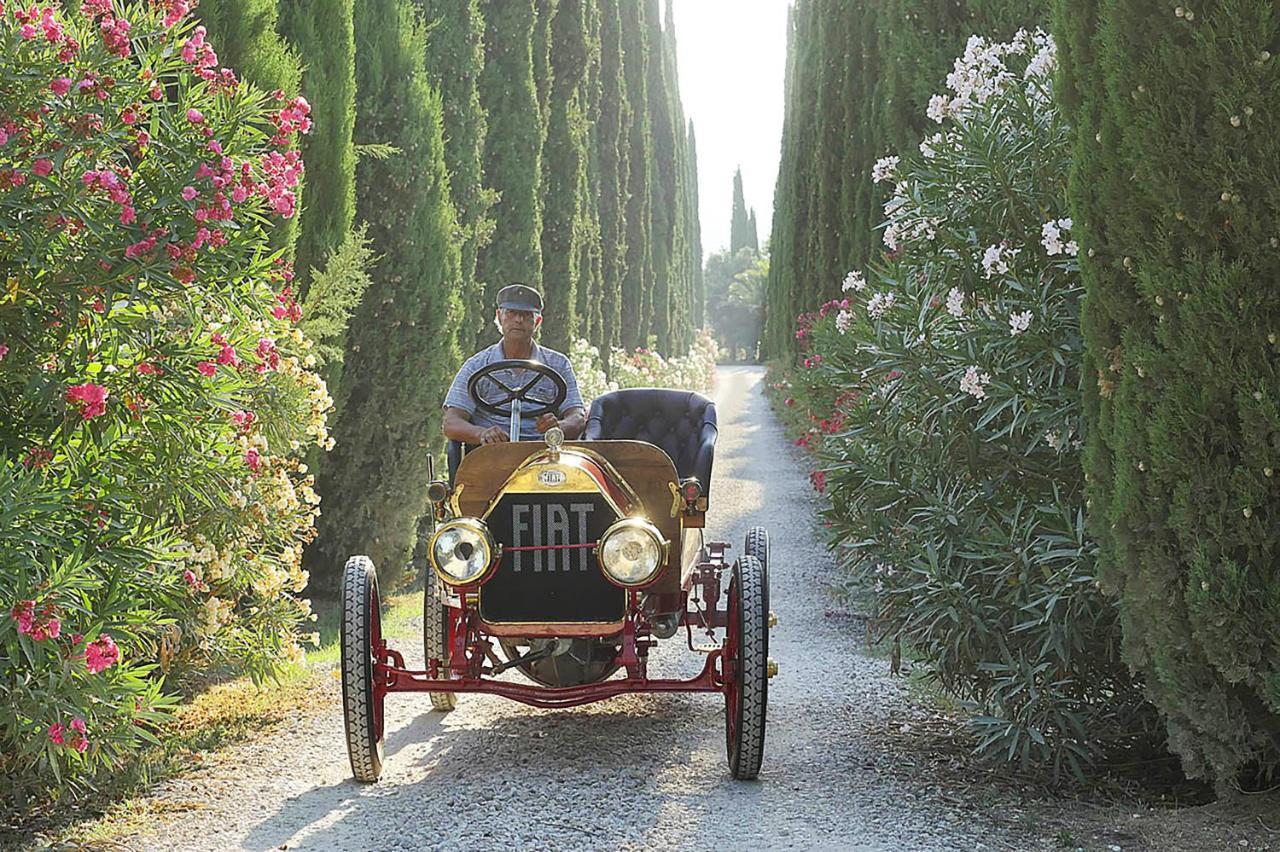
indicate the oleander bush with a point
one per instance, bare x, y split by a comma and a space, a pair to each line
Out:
644, 367
154, 386
941, 397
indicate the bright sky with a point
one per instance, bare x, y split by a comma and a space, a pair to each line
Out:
732, 56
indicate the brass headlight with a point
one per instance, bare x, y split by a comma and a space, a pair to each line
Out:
631, 551
462, 550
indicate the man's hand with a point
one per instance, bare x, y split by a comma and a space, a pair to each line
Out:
545, 422
494, 435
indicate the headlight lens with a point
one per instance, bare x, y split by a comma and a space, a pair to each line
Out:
631, 551
461, 551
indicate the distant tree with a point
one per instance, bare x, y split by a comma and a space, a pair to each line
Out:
564, 171
665, 156
321, 33
638, 278
513, 148
401, 346
731, 324
612, 142
741, 234
454, 62
698, 299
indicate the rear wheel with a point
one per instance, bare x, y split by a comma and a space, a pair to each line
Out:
757, 545
435, 638
361, 639
746, 667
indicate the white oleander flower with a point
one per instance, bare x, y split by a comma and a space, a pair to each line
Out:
1018, 323
844, 321
995, 260
878, 304
974, 383
884, 169
854, 281
955, 302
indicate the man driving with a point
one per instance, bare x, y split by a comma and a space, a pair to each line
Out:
518, 317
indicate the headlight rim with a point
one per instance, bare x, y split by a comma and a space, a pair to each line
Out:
480, 528
646, 526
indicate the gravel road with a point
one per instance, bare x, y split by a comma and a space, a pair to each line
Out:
631, 773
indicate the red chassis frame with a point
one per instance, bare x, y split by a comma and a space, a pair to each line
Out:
471, 648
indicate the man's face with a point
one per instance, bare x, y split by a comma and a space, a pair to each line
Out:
518, 325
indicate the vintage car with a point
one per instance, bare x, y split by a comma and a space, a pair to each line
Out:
568, 561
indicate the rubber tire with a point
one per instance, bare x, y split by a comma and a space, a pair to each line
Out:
757, 545
435, 637
749, 600
365, 742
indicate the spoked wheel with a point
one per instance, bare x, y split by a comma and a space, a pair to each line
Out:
435, 638
361, 638
746, 667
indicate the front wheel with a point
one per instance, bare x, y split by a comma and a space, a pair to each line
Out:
361, 640
746, 667
435, 638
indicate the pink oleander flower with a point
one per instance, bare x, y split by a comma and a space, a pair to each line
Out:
243, 420
57, 733
189, 193
190, 577
4, 350
101, 654
43, 167
51, 628
79, 740
253, 459
207, 368
24, 613
92, 399
60, 85
195, 116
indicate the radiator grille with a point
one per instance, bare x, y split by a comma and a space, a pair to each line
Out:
550, 585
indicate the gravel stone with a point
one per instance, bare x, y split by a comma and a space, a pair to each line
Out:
635, 772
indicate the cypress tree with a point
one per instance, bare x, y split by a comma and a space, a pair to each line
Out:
682, 265
636, 296
564, 171
590, 258
699, 295
612, 141
1176, 204
401, 349
244, 34
752, 233
513, 148
321, 32
663, 206
740, 223
454, 61
779, 296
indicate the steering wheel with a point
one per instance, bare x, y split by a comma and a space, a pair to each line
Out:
508, 397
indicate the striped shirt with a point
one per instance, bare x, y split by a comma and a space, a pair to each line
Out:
542, 389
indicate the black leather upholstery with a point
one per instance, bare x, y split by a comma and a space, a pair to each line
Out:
681, 423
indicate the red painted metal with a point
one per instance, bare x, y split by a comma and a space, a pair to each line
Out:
402, 680
470, 649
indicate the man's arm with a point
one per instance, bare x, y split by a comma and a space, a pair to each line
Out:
458, 427
573, 424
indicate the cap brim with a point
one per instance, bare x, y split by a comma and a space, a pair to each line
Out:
519, 306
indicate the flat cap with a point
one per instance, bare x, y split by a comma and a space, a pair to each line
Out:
520, 297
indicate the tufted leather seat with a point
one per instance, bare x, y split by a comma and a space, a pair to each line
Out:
681, 423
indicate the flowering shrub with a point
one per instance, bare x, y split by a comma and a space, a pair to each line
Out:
941, 398
645, 368
153, 387
589, 371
